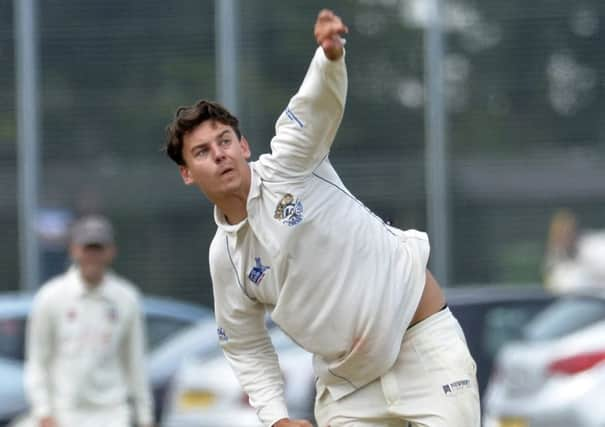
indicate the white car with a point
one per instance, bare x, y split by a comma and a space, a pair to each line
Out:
555, 377
206, 392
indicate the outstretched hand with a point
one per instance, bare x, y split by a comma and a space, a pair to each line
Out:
286, 422
328, 31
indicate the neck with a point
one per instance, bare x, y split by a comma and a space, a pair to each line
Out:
234, 208
234, 205
91, 281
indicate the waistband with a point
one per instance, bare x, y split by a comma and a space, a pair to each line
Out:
420, 321
442, 315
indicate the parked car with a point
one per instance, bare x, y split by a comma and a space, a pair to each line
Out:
555, 375
195, 341
13, 312
205, 392
492, 316
164, 317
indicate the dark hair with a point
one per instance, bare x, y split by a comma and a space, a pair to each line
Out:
188, 118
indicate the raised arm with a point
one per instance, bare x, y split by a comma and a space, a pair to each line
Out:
305, 130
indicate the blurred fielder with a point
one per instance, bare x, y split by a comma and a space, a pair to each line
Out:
340, 282
85, 341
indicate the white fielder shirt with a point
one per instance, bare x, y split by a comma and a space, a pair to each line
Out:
86, 348
335, 278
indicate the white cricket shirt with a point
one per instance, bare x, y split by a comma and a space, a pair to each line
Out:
336, 278
86, 348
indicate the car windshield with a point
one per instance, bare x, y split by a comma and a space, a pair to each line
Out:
159, 328
564, 317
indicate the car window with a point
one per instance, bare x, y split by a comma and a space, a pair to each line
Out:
12, 337
564, 317
503, 324
161, 327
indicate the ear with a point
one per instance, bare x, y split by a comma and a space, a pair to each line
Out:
112, 251
245, 147
186, 175
74, 252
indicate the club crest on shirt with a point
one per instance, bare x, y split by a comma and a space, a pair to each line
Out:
289, 210
258, 271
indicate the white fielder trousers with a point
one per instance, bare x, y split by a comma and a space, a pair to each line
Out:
118, 416
432, 384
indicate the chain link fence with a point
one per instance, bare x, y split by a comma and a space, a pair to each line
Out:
524, 96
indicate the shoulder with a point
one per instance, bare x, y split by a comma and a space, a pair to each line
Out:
219, 257
53, 288
51, 295
218, 247
124, 288
265, 167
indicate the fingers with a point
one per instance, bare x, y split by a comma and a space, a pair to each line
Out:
328, 28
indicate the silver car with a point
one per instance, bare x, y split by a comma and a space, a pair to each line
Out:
555, 376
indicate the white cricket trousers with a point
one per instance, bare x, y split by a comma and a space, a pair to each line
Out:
99, 417
118, 416
432, 384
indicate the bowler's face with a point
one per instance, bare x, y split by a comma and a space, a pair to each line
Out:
216, 161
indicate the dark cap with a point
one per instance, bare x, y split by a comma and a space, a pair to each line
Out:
92, 230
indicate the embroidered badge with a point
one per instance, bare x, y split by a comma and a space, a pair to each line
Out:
222, 335
258, 271
456, 386
289, 210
